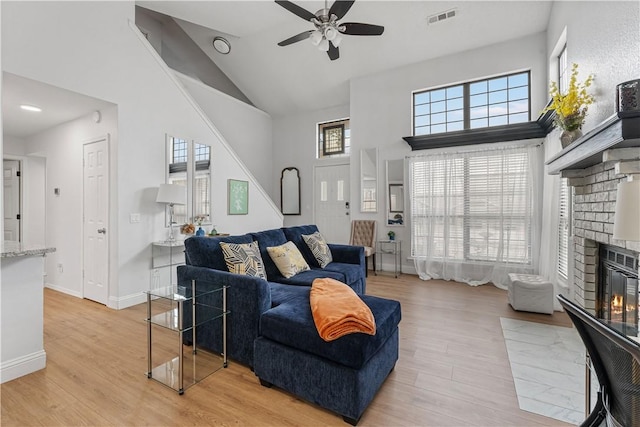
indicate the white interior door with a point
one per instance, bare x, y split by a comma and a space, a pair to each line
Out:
332, 203
96, 214
11, 174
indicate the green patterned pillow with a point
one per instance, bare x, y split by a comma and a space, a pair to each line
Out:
288, 259
243, 259
319, 248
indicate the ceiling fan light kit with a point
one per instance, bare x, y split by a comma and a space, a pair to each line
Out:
327, 35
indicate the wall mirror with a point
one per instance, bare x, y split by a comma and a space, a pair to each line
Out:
369, 179
395, 192
290, 191
189, 164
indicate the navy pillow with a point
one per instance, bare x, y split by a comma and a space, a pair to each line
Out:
204, 251
267, 239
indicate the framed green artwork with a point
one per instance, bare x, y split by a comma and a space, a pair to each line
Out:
238, 197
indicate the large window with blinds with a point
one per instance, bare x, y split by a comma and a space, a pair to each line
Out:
474, 207
564, 208
564, 229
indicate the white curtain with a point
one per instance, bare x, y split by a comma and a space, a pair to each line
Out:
475, 215
550, 225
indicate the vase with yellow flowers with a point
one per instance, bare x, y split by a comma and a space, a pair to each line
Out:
571, 107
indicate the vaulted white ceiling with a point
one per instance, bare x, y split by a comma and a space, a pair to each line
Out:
284, 80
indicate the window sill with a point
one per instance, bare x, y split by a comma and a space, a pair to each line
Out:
518, 131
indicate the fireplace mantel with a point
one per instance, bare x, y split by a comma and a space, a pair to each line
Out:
622, 130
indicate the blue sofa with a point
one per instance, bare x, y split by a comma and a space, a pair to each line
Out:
271, 327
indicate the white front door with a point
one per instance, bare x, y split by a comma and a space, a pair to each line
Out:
96, 215
332, 203
11, 173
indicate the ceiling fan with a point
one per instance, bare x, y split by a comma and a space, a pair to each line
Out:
328, 33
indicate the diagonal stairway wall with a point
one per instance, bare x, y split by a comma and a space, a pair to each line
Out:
95, 49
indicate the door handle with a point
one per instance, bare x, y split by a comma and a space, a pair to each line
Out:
102, 230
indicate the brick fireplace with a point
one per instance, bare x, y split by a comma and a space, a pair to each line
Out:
594, 165
593, 210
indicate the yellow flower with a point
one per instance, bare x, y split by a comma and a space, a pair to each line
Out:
571, 108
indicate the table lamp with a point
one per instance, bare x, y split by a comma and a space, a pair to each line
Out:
626, 222
171, 194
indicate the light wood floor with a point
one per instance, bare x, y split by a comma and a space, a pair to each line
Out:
453, 370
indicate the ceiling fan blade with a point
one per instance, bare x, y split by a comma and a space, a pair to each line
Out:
296, 10
358, 29
333, 52
340, 8
296, 38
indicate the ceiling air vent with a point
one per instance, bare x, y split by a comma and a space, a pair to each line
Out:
448, 14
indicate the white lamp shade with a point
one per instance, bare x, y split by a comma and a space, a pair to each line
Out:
626, 222
331, 33
172, 193
324, 45
315, 37
337, 40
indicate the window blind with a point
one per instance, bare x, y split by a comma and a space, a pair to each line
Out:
474, 207
564, 224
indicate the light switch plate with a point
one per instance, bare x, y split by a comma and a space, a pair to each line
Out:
134, 218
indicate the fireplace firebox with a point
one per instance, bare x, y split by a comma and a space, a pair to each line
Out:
617, 290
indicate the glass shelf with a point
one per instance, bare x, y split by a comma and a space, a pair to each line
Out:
170, 319
178, 310
393, 248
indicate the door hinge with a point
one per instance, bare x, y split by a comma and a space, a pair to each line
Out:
18, 216
18, 173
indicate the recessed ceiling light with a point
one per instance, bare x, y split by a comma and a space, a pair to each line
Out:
222, 45
30, 108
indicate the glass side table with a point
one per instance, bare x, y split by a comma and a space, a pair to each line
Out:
166, 312
391, 247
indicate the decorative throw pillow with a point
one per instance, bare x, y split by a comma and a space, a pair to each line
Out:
319, 248
243, 258
288, 259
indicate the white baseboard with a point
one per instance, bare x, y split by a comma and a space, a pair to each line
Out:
127, 301
23, 365
67, 291
116, 303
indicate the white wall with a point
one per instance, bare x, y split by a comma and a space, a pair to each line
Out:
603, 38
380, 112
381, 103
294, 145
13, 145
62, 146
92, 48
247, 129
32, 196
35, 201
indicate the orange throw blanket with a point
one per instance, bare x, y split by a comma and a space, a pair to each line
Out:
337, 310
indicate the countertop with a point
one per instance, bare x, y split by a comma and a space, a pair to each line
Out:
12, 249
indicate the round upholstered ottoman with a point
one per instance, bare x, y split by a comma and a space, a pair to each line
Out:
530, 292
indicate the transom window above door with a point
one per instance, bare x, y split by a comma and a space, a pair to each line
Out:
333, 139
490, 102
